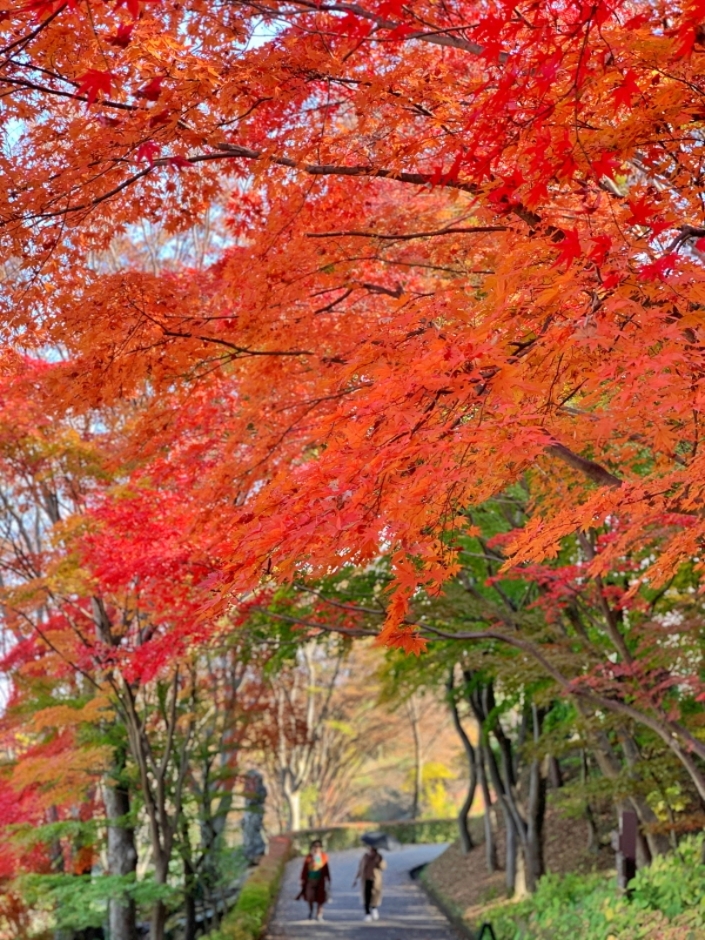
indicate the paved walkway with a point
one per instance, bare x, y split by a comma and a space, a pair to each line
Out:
405, 913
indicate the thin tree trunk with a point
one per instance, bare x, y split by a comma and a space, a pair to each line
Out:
190, 925
489, 820
466, 841
593, 839
555, 775
511, 861
190, 883
657, 843
122, 860
418, 764
510, 826
158, 921
159, 912
536, 810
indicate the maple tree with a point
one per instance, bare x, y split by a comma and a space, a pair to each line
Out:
114, 708
467, 244
458, 247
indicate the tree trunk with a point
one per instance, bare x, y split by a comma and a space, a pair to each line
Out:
190, 882
489, 816
122, 860
159, 911
536, 813
293, 802
189, 901
657, 843
535, 809
511, 868
412, 712
555, 775
511, 860
649, 844
593, 836
158, 922
466, 841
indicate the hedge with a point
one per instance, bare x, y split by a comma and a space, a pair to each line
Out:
335, 838
248, 918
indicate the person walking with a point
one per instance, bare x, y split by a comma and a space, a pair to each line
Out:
315, 880
369, 873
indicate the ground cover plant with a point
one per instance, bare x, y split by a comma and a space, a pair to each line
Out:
666, 904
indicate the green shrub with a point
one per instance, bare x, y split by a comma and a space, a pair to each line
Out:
668, 903
248, 918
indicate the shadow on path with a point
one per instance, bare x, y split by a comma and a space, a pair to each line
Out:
405, 914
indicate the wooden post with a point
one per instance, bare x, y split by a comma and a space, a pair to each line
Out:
626, 850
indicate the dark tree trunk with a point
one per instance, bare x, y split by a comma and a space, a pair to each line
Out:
593, 835
190, 926
122, 859
466, 841
656, 843
159, 911
511, 866
479, 705
489, 821
555, 775
536, 810
523, 823
649, 844
190, 884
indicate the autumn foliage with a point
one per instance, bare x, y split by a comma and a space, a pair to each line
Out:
463, 244
292, 284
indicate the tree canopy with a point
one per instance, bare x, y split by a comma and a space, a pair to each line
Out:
458, 244
381, 318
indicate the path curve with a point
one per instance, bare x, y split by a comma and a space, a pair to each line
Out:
405, 914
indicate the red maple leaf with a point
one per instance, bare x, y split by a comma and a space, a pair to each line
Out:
658, 226
605, 165
642, 211
123, 35
354, 26
569, 248
161, 118
402, 31
624, 94
599, 253
657, 270
393, 8
152, 90
147, 151
94, 82
452, 174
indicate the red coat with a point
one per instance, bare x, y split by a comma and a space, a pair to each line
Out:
314, 883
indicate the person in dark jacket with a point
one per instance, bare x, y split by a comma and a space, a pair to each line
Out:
315, 879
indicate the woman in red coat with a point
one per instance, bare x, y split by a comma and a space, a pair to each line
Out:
315, 879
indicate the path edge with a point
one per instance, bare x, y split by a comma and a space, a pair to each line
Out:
252, 913
446, 907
